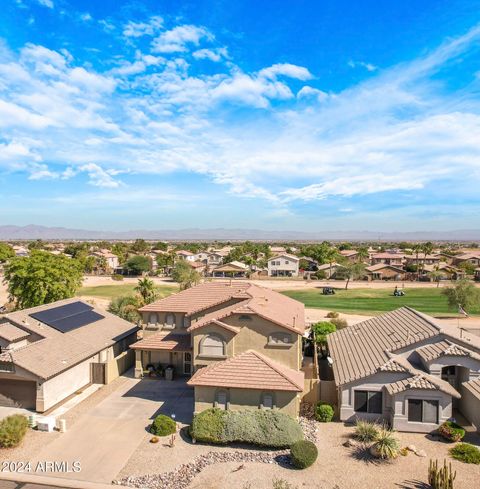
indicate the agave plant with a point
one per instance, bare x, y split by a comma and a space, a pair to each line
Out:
366, 431
386, 445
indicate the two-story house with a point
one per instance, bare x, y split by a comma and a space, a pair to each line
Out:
387, 258
284, 265
404, 369
240, 343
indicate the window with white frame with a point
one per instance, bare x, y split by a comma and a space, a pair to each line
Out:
212, 345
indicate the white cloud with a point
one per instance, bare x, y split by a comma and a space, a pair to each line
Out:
179, 38
86, 17
307, 92
140, 29
368, 66
285, 69
214, 55
46, 3
100, 177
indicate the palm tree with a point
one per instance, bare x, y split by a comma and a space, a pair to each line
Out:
362, 254
417, 248
330, 255
146, 289
427, 248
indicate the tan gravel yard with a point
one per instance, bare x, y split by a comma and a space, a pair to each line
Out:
336, 467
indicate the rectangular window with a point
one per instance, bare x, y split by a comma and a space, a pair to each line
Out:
368, 402
423, 411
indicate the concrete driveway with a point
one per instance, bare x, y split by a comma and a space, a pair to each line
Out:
105, 437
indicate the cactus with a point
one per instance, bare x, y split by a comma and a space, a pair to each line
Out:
441, 478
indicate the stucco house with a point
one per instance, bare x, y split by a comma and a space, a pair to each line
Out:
284, 265
234, 269
110, 258
49, 352
381, 271
240, 343
472, 257
388, 258
403, 369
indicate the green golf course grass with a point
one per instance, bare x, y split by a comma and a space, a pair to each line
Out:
376, 301
113, 291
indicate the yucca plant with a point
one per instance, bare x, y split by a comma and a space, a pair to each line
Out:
366, 431
386, 445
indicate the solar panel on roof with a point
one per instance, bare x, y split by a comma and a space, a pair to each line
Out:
68, 317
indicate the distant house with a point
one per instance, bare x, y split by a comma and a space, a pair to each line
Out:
234, 269
387, 258
186, 255
381, 271
277, 250
209, 258
110, 258
20, 250
284, 265
477, 274
330, 270
472, 257
422, 259
403, 369
311, 264
350, 255
49, 352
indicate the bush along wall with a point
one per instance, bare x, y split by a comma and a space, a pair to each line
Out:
266, 428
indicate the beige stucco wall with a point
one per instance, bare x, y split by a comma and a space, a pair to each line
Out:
470, 407
252, 335
117, 366
287, 402
55, 390
399, 414
291, 266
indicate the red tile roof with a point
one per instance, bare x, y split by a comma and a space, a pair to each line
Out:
249, 370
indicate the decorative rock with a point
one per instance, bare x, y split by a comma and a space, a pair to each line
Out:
412, 448
349, 443
421, 453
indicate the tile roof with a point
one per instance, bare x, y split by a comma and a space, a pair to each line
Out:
164, 341
250, 299
392, 366
381, 266
444, 348
473, 386
388, 255
199, 298
285, 255
56, 352
249, 370
415, 382
361, 349
12, 333
232, 266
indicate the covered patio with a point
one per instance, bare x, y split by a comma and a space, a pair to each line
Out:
156, 352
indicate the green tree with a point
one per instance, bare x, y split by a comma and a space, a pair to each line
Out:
320, 331
136, 265
147, 290
36, 245
6, 252
126, 307
185, 275
353, 271
42, 278
435, 276
362, 253
467, 267
161, 245
417, 248
140, 246
463, 294
427, 249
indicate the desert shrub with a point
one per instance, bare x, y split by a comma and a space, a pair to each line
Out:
303, 454
281, 484
117, 276
465, 452
12, 430
163, 425
320, 275
324, 412
386, 445
209, 426
339, 323
333, 315
366, 431
451, 431
269, 428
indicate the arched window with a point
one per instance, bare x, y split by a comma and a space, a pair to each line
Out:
170, 320
212, 345
280, 339
152, 318
267, 400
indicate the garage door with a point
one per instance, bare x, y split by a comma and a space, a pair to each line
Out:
19, 393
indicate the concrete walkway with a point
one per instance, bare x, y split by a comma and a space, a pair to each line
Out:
105, 437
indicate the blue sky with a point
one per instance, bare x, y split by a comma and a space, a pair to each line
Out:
286, 115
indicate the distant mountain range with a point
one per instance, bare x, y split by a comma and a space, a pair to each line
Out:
59, 233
